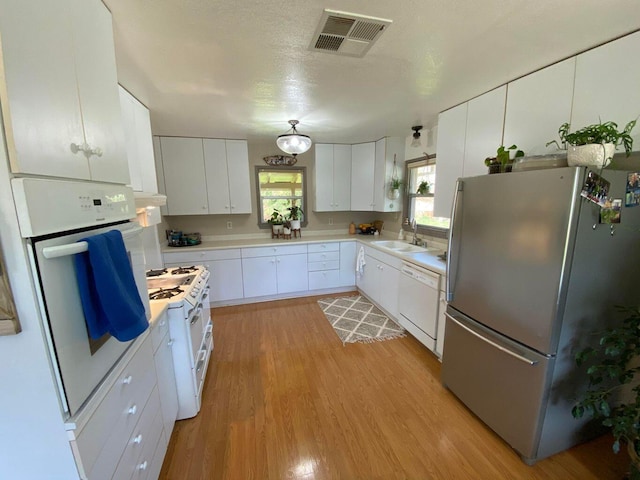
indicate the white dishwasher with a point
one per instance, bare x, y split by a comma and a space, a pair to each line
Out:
418, 303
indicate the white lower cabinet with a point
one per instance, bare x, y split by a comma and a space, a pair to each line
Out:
119, 433
166, 377
442, 308
274, 270
225, 266
380, 280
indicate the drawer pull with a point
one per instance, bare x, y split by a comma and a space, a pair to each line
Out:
163, 323
143, 466
170, 343
127, 380
138, 438
133, 410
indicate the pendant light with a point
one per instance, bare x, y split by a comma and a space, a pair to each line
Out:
293, 142
415, 143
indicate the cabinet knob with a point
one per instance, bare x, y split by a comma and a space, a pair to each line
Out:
138, 438
226, 206
204, 207
170, 343
133, 410
143, 465
127, 380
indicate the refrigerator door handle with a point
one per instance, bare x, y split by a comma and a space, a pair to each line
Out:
453, 244
493, 344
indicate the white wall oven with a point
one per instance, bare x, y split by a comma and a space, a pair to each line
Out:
54, 216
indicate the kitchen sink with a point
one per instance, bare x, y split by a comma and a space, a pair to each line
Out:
401, 247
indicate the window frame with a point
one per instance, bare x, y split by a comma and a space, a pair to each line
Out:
261, 168
432, 231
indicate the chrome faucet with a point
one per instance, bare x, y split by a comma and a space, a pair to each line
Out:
414, 225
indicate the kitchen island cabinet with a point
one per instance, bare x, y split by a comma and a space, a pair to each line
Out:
333, 177
71, 126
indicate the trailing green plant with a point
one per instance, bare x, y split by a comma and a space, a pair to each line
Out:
295, 213
276, 218
503, 156
598, 133
423, 188
611, 370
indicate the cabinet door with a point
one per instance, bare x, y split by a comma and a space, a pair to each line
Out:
292, 273
324, 177
144, 147
379, 175
362, 176
95, 61
388, 284
347, 264
452, 127
485, 120
129, 124
166, 384
226, 279
238, 171
537, 105
442, 307
184, 176
215, 160
157, 155
389, 150
368, 280
606, 85
259, 276
41, 118
341, 177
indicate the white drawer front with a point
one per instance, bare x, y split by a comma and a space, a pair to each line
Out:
330, 265
101, 441
144, 439
184, 257
324, 256
324, 247
272, 251
326, 279
159, 330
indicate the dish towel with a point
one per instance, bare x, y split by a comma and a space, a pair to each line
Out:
360, 263
110, 299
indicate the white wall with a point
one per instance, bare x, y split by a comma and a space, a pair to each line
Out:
33, 443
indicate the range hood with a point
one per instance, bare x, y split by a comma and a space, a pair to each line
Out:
149, 199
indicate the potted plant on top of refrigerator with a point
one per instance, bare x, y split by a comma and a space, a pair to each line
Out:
613, 395
503, 162
594, 145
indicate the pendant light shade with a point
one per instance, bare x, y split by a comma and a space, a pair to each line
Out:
416, 136
293, 142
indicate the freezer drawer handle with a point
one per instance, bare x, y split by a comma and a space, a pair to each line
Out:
493, 344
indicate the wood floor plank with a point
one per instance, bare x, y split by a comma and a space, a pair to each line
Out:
284, 399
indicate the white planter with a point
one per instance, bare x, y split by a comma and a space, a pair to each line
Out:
277, 228
393, 193
287, 231
295, 224
595, 155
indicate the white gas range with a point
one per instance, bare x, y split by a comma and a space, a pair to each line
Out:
185, 290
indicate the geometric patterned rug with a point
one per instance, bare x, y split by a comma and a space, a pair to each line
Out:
356, 319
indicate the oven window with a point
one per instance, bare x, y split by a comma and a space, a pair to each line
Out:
278, 189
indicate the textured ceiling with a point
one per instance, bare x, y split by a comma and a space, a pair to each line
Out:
243, 68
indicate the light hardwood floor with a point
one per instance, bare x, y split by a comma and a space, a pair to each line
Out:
284, 399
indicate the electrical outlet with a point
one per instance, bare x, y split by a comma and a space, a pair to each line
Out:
229, 225
330, 221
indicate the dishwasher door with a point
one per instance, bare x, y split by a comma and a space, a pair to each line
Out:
418, 303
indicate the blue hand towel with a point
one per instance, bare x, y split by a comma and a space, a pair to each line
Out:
110, 298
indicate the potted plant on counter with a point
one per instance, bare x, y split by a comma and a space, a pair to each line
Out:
594, 145
613, 395
276, 220
295, 216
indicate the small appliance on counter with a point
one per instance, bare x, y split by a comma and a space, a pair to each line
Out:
179, 239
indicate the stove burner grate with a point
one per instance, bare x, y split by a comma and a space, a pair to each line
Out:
165, 293
156, 273
183, 270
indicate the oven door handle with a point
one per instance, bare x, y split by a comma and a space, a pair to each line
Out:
79, 247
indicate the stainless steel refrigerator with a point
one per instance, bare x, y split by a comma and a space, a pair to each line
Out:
531, 275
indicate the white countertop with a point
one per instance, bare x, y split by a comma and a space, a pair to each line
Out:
157, 309
428, 260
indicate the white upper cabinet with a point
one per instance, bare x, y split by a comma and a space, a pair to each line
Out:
452, 128
363, 159
70, 45
227, 170
184, 176
485, 121
333, 177
536, 107
389, 159
607, 85
140, 151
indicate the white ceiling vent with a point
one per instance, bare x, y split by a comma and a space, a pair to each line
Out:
348, 34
